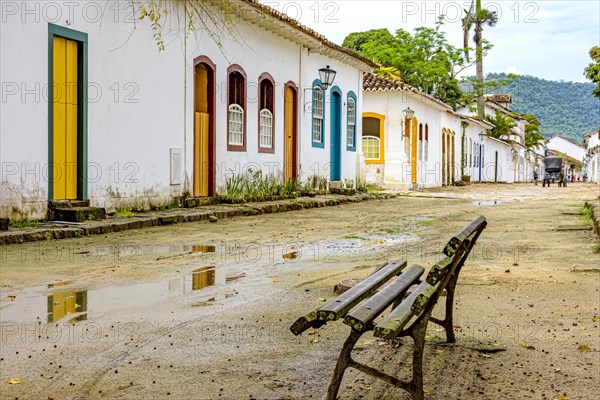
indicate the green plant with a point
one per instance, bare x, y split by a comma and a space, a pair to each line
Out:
253, 186
168, 205
427, 221
596, 248
24, 223
125, 213
353, 237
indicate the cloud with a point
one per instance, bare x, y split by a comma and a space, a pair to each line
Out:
513, 70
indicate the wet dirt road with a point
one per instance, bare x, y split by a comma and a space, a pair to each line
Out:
202, 311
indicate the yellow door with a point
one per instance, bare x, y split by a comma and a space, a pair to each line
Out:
201, 133
413, 150
289, 134
64, 130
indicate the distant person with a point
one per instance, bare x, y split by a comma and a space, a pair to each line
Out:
535, 176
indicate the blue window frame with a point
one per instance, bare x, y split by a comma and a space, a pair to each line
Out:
318, 114
351, 112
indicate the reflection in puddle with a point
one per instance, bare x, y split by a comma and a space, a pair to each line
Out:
291, 255
204, 249
56, 284
33, 304
487, 202
203, 277
66, 303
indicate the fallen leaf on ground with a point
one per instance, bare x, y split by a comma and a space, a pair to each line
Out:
596, 319
428, 389
583, 347
439, 350
275, 280
515, 264
322, 299
13, 381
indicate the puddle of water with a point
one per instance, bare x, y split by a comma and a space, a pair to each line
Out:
487, 202
366, 244
77, 305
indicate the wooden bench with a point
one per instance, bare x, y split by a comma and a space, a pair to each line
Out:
410, 314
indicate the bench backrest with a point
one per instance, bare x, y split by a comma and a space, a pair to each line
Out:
425, 296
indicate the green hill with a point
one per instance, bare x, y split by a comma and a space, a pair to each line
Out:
563, 108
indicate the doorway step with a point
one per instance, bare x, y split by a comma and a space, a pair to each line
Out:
74, 211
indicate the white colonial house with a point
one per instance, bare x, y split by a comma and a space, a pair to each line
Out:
412, 140
521, 163
592, 157
567, 147
93, 111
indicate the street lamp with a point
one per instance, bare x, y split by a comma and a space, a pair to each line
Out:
408, 113
327, 75
481, 136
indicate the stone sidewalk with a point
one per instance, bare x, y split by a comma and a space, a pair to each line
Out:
212, 213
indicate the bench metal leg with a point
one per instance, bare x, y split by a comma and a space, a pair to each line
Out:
418, 335
343, 362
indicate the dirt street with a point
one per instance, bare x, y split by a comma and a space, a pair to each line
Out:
202, 310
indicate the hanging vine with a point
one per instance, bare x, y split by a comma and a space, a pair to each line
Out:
214, 18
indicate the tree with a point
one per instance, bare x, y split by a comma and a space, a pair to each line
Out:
504, 126
592, 71
478, 18
533, 138
424, 59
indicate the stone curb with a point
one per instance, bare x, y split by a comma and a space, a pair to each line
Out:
595, 216
203, 213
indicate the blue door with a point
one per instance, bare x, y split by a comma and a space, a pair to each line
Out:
336, 135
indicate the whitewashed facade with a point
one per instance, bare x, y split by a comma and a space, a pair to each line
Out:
592, 158
567, 147
139, 110
434, 148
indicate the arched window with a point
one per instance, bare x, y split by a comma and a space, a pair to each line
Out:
351, 122
265, 114
318, 115
236, 110
426, 144
372, 137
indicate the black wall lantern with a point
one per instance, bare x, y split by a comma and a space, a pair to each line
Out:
327, 75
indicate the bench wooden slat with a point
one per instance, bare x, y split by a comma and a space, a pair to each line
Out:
392, 325
339, 307
438, 270
362, 315
457, 239
304, 323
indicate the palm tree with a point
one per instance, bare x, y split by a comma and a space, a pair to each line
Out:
389, 72
533, 138
479, 17
504, 126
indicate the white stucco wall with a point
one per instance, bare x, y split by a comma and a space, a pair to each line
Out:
141, 105
566, 147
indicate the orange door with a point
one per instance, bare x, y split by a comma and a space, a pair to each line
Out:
290, 133
64, 118
201, 133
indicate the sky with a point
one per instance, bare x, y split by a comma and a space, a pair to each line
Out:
548, 39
